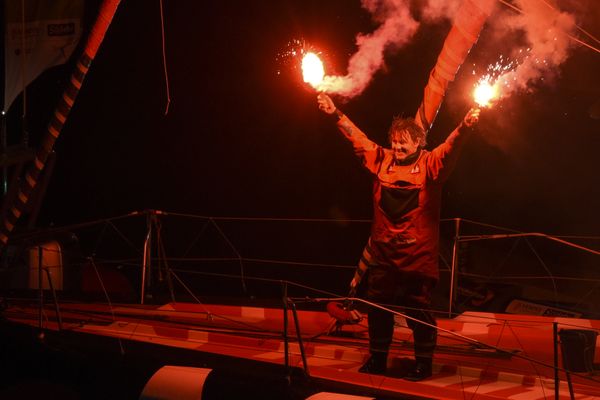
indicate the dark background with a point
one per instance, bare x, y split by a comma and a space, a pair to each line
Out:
244, 137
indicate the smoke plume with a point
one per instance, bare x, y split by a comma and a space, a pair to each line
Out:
397, 27
547, 33
545, 30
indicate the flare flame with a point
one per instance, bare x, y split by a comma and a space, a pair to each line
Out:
312, 69
485, 92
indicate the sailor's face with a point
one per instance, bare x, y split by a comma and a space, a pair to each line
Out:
403, 145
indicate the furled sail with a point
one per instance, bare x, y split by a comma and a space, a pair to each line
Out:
39, 34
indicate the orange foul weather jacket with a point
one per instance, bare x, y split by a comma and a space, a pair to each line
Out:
406, 202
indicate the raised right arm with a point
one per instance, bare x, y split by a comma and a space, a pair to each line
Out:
369, 152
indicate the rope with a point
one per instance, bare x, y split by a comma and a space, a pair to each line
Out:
573, 38
164, 57
457, 335
110, 306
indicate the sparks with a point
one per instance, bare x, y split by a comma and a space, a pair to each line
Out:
485, 92
312, 69
499, 80
300, 55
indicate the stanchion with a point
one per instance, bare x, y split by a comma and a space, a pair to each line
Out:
40, 293
555, 342
286, 343
300, 343
453, 276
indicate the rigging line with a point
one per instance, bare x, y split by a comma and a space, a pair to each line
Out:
251, 327
547, 270
497, 269
92, 317
481, 224
258, 279
110, 306
235, 251
515, 8
293, 219
444, 250
514, 230
210, 314
196, 239
189, 291
122, 236
491, 320
67, 228
567, 34
535, 322
489, 363
328, 220
587, 33
250, 260
164, 56
23, 70
462, 382
531, 361
99, 239
505, 260
558, 278
577, 237
267, 261
99, 315
583, 43
265, 218
578, 27
469, 238
592, 290
459, 336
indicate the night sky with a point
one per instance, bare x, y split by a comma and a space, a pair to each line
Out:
244, 137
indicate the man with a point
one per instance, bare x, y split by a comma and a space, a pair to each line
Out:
401, 255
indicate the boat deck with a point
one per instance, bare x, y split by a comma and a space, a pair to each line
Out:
480, 356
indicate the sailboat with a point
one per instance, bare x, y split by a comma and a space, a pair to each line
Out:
157, 304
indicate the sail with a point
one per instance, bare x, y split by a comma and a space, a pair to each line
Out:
39, 34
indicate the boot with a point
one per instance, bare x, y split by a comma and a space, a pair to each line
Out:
375, 365
421, 370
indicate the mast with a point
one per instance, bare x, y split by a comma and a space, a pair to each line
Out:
469, 21
61, 112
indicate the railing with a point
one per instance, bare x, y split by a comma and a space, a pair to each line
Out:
160, 252
459, 238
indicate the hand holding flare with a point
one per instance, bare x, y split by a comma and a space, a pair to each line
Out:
325, 103
472, 117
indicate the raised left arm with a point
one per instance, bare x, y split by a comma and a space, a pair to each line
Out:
443, 157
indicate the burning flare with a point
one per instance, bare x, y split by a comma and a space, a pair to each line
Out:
485, 92
312, 69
